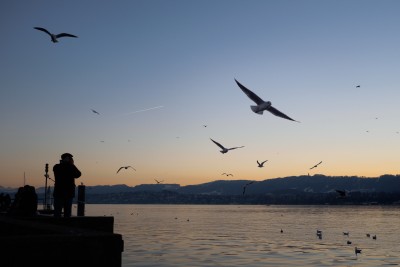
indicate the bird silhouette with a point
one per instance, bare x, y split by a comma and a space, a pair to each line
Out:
316, 165
94, 111
54, 37
246, 185
358, 86
261, 164
261, 104
125, 167
158, 182
227, 174
357, 251
224, 149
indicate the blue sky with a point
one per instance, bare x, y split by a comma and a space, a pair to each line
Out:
179, 59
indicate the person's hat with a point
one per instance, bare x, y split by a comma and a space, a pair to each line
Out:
66, 155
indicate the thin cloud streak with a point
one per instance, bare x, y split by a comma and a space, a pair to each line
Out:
142, 110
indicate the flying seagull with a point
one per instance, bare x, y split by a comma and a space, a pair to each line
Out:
245, 186
227, 174
261, 164
54, 37
158, 182
125, 167
261, 104
358, 86
316, 165
225, 150
94, 111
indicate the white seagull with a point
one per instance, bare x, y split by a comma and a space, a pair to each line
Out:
224, 149
261, 164
261, 104
54, 37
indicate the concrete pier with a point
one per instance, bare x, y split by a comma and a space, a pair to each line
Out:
48, 241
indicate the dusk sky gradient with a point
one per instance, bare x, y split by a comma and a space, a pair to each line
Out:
157, 71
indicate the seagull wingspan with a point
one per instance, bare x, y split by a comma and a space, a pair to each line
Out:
250, 94
43, 30
65, 35
235, 147
218, 144
119, 169
279, 114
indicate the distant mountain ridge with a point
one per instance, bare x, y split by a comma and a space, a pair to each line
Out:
310, 184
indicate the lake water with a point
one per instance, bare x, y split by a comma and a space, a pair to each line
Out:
250, 235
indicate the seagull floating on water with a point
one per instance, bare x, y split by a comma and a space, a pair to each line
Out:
261, 164
224, 149
54, 37
357, 251
261, 104
125, 167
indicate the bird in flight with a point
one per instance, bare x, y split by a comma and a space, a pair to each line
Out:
261, 104
227, 174
224, 149
358, 86
261, 164
94, 111
246, 185
316, 165
125, 167
54, 37
158, 182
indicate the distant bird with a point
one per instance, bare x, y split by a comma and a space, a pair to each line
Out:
316, 165
348, 242
158, 182
319, 233
204, 125
374, 237
357, 251
368, 235
261, 164
225, 150
281, 231
125, 167
346, 233
94, 111
54, 37
246, 185
227, 174
358, 86
342, 193
261, 104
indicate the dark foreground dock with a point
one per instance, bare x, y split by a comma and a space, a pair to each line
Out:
48, 241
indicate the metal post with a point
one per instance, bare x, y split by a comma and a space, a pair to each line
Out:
81, 200
46, 175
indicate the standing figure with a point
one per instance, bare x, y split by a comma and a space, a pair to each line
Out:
65, 174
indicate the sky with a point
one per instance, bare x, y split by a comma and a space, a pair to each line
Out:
157, 71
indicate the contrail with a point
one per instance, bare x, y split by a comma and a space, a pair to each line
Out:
137, 111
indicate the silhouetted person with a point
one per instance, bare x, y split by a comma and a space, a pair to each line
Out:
65, 174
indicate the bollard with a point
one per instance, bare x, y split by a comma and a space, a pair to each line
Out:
81, 200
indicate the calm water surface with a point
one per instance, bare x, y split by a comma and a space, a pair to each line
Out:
245, 235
